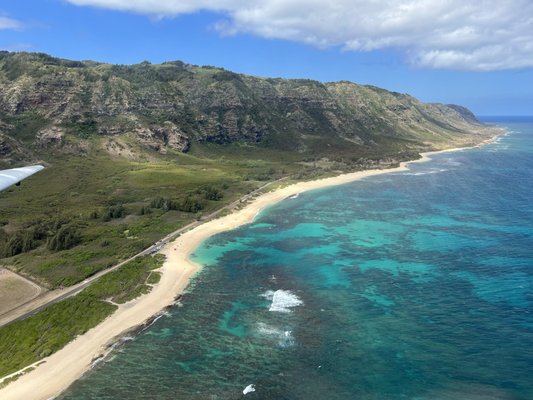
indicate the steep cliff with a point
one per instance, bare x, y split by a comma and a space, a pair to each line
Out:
46, 102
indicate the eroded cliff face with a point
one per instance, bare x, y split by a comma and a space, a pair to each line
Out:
172, 106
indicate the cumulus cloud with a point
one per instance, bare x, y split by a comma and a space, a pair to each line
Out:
8, 23
452, 34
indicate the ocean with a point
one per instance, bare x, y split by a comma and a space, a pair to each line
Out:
408, 285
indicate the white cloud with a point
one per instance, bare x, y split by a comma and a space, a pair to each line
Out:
8, 23
454, 34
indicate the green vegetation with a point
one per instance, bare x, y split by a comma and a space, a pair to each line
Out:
136, 152
113, 212
84, 128
83, 214
24, 125
212, 193
127, 282
25, 342
54, 232
154, 278
66, 237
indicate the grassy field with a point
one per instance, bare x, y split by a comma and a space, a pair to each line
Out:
90, 209
80, 194
25, 342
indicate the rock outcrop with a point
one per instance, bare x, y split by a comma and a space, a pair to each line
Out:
172, 106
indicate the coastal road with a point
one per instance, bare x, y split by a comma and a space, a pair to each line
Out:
39, 303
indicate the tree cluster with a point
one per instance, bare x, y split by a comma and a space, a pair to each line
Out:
190, 204
114, 212
58, 233
212, 193
65, 238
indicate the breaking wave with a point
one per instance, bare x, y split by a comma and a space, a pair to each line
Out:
431, 171
283, 337
282, 300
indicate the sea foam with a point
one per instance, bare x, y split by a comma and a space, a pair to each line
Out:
427, 172
249, 389
110, 350
284, 338
282, 300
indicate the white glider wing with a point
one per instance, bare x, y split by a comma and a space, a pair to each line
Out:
9, 177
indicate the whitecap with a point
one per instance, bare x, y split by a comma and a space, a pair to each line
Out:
284, 300
267, 330
453, 162
121, 342
110, 350
248, 389
287, 340
153, 321
269, 294
96, 361
283, 338
428, 172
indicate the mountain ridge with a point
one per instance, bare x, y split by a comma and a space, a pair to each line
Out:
174, 106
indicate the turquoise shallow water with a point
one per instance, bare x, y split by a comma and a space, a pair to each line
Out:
415, 285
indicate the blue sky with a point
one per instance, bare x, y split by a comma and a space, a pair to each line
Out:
449, 52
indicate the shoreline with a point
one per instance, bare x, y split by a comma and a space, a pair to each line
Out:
54, 374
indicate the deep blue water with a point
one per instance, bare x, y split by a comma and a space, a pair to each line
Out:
415, 285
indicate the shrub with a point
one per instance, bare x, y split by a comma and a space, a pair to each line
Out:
114, 212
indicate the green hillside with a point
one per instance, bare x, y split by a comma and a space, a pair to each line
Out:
134, 152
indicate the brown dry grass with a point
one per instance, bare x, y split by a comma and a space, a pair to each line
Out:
15, 290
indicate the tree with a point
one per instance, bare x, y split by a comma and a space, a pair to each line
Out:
65, 238
20, 242
191, 204
164, 204
212, 193
114, 212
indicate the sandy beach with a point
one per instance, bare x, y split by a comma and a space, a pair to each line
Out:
58, 371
